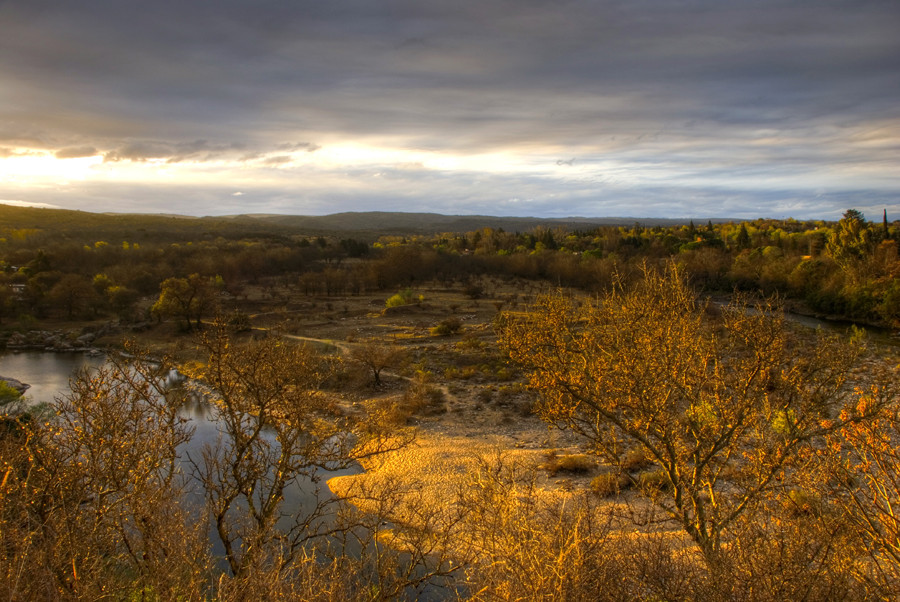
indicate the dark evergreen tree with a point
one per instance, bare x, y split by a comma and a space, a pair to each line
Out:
743, 237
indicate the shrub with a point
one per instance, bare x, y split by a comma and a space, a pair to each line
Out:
464, 373
447, 327
238, 321
8, 394
423, 398
634, 460
652, 481
504, 373
570, 463
404, 297
610, 483
484, 395
470, 342
473, 290
525, 408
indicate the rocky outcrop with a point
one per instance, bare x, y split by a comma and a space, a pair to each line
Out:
57, 340
15, 384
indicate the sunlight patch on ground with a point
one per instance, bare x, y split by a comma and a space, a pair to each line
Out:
437, 466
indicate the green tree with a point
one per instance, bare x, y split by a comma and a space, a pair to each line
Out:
743, 238
851, 240
185, 298
121, 299
721, 405
7, 300
101, 283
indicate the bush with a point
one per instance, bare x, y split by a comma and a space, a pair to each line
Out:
8, 394
484, 395
447, 327
569, 463
473, 291
525, 408
634, 460
423, 398
652, 481
404, 297
238, 321
610, 483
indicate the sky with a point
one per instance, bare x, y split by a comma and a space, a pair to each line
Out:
625, 108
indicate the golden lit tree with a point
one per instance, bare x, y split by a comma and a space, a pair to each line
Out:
722, 401
377, 357
862, 478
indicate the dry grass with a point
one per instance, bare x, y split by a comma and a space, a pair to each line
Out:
568, 463
611, 483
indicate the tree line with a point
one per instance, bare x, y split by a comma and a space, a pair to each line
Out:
848, 269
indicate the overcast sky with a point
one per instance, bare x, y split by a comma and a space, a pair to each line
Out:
638, 108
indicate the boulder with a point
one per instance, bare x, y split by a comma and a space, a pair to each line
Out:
16, 384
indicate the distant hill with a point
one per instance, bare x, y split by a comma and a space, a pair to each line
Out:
385, 222
368, 224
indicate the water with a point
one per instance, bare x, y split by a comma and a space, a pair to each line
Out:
49, 375
882, 336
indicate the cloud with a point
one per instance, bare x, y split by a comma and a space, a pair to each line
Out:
762, 102
15, 203
277, 160
75, 152
6, 153
298, 146
172, 152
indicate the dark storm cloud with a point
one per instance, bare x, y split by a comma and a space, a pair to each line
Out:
757, 91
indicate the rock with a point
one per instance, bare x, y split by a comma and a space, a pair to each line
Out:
16, 384
86, 339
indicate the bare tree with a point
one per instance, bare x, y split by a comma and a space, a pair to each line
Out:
277, 430
92, 504
377, 357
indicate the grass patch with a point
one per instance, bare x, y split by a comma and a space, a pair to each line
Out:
609, 484
568, 463
653, 481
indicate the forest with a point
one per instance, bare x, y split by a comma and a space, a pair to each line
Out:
566, 411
